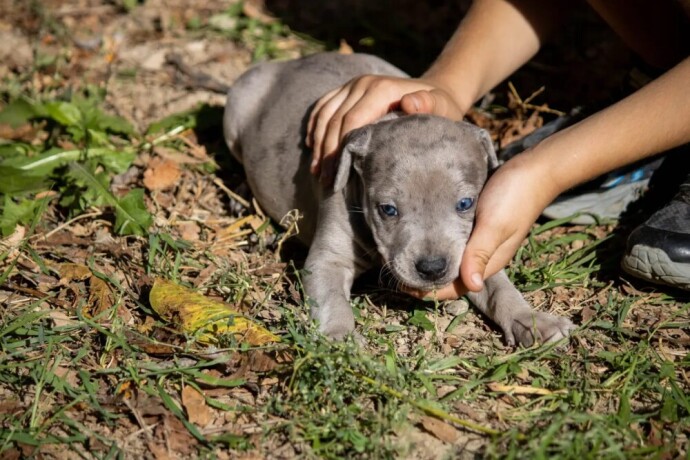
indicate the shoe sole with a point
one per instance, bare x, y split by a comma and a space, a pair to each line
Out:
652, 264
606, 205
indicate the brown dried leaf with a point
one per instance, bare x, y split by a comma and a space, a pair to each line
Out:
195, 405
12, 454
101, 296
147, 325
72, 272
588, 313
520, 389
11, 406
159, 451
10, 245
440, 429
60, 318
177, 436
161, 174
189, 230
25, 132
255, 9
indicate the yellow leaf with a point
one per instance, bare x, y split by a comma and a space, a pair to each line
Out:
205, 318
521, 390
100, 296
72, 272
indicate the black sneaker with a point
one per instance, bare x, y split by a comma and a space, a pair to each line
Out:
659, 249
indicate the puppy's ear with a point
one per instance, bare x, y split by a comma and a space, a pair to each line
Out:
355, 148
488, 145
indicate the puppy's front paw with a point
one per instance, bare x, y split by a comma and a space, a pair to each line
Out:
336, 330
528, 327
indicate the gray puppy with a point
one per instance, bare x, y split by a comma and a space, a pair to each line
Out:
404, 192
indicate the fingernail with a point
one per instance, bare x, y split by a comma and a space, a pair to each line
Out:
477, 279
415, 102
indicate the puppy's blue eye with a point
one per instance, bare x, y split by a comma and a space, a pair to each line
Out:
388, 210
464, 204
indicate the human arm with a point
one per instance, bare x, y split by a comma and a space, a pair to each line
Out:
492, 41
654, 119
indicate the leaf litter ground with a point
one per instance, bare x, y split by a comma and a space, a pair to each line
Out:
116, 176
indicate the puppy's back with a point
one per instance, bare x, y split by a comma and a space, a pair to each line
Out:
265, 120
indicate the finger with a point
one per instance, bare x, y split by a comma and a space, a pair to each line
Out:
435, 101
321, 126
357, 110
314, 114
369, 108
450, 292
361, 112
481, 247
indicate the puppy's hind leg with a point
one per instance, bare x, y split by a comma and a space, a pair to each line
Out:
505, 306
245, 100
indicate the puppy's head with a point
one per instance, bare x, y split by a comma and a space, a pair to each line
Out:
421, 178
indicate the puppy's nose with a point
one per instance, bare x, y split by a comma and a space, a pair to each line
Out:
431, 268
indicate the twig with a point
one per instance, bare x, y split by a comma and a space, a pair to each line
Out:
140, 420
527, 106
67, 224
231, 194
196, 79
289, 222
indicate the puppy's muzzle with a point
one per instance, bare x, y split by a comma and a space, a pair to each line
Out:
431, 268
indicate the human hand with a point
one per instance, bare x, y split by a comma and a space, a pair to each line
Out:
363, 100
509, 204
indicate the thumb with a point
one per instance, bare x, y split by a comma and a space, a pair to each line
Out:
435, 101
479, 251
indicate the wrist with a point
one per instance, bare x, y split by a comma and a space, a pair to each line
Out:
538, 172
458, 93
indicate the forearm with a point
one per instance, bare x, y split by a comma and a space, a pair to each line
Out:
494, 39
652, 120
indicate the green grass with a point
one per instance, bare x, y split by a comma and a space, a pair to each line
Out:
76, 380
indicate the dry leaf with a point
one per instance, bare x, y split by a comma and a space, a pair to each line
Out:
521, 390
204, 317
159, 451
24, 132
588, 313
100, 295
61, 318
161, 174
147, 325
72, 272
189, 230
10, 245
178, 437
254, 9
440, 429
195, 405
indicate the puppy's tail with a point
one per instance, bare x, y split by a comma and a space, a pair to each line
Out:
245, 98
